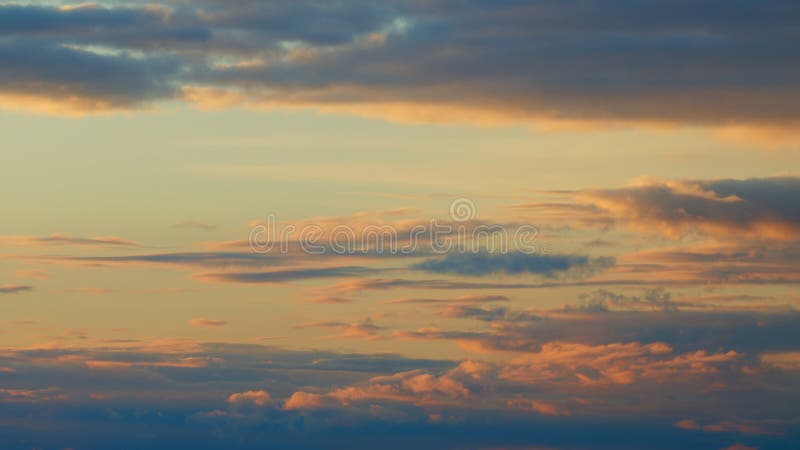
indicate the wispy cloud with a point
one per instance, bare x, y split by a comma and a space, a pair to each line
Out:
480, 264
62, 239
200, 322
284, 276
14, 289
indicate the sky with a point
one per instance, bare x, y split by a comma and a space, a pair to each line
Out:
432, 224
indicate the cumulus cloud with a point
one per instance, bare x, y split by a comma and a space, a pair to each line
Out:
613, 363
304, 400
187, 386
413, 386
250, 398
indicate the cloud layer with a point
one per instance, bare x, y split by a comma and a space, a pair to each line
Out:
602, 61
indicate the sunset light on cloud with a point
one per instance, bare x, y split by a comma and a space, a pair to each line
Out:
400, 224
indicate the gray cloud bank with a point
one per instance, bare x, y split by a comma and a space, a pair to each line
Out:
708, 62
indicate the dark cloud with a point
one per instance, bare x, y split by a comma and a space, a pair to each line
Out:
14, 289
385, 284
479, 264
215, 396
212, 396
469, 299
747, 331
759, 207
603, 300
710, 62
492, 314
81, 79
31, 19
283, 276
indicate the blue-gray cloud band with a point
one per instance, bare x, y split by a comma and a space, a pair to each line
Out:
708, 62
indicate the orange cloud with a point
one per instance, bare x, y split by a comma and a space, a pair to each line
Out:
304, 400
254, 398
32, 273
200, 322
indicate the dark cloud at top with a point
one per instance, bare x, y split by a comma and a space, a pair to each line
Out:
47, 70
709, 62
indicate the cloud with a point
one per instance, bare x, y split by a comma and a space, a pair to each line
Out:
62, 239
762, 208
89, 291
14, 289
207, 323
480, 264
602, 300
283, 276
723, 427
47, 75
526, 331
487, 314
456, 300
202, 259
613, 364
184, 389
413, 386
31, 273
785, 360
538, 406
250, 398
365, 329
720, 260
388, 284
330, 300
465, 60
31, 395
303, 400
